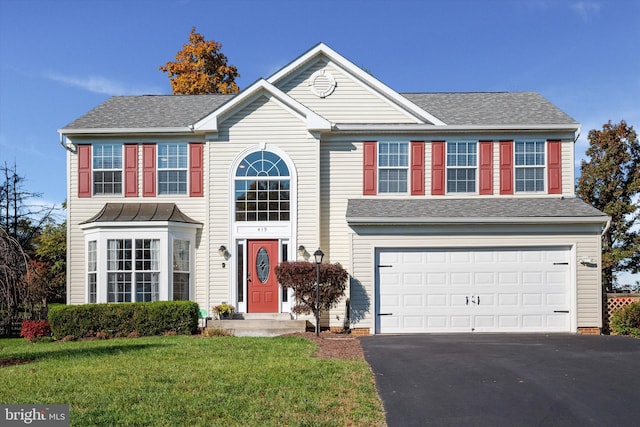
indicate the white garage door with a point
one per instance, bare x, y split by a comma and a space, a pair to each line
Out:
465, 290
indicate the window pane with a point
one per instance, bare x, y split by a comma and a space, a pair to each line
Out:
461, 180
271, 196
172, 182
181, 255
263, 163
147, 287
180, 286
119, 287
147, 252
240, 272
92, 288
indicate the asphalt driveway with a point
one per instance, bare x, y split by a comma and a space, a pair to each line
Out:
507, 380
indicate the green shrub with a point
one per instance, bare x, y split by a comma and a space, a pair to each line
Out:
626, 321
120, 320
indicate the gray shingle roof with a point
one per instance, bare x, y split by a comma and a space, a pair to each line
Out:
469, 210
490, 108
134, 212
181, 111
149, 111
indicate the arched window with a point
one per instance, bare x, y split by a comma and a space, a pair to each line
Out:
262, 188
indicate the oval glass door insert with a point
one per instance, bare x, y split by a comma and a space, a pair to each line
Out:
262, 265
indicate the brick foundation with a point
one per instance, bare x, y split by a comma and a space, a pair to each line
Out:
589, 331
360, 332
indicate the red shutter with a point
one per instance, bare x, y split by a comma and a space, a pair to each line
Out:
486, 168
84, 171
417, 168
149, 170
437, 168
196, 170
369, 167
131, 170
554, 166
506, 167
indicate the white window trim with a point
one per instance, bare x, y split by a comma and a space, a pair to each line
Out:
185, 169
544, 167
94, 170
406, 168
476, 167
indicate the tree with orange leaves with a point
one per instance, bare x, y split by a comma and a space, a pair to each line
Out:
201, 68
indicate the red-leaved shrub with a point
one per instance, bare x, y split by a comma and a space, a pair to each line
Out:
34, 329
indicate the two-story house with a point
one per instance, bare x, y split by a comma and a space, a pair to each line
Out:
452, 212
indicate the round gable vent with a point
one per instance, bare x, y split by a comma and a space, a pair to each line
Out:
322, 83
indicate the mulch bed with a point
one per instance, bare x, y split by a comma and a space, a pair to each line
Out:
334, 346
13, 362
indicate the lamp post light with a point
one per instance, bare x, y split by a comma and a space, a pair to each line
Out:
318, 256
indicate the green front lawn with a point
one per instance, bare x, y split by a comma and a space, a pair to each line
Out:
192, 381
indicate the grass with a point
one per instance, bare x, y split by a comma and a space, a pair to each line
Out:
192, 381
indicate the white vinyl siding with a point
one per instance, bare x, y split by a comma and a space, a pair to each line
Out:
262, 123
350, 102
81, 209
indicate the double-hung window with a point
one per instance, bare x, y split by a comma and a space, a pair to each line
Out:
393, 166
132, 265
529, 166
172, 168
462, 161
107, 169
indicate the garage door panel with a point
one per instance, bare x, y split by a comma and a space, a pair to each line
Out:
436, 279
460, 279
463, 290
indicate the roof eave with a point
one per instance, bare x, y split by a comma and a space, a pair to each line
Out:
122, 131
400, 127
138, 224
478, 220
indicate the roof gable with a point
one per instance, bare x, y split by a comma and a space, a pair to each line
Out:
313, 121
322, 51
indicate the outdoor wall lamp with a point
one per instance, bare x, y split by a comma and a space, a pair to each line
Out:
587, 261
302, 251
223, 252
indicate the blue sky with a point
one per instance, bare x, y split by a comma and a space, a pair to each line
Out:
59, 59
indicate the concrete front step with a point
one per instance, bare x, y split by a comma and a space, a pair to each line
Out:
258, 327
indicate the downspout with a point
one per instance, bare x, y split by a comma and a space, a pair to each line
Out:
69, 147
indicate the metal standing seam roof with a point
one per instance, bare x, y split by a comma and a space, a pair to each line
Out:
140, 212
470, 210
463, 108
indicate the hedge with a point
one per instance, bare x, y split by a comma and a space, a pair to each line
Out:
122, 319
626, 321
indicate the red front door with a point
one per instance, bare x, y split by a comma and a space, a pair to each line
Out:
262, 283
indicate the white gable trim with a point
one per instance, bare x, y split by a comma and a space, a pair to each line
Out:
313, 121
342, 62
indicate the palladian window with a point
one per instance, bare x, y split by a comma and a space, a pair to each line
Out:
262, 190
